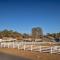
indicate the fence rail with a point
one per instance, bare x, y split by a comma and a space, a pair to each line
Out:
33, 46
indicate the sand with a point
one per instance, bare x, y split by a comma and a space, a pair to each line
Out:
30, 54
4, 56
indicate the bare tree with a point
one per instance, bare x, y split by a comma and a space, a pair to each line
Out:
36, 33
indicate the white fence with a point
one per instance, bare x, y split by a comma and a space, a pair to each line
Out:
33, 46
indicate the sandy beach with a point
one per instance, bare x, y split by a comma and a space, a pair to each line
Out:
4, 56
30, 54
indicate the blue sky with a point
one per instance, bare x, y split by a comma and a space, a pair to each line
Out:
22, 15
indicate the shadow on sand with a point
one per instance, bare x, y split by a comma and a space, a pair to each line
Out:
4, 56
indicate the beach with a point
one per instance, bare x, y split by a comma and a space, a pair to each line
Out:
30, 54
4, 56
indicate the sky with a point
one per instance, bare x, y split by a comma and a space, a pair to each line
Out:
23, 15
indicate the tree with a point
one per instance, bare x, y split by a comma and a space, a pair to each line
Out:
36, 33
10, 33
25, 35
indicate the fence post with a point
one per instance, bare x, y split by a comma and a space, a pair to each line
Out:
51, 49
18, 46
13, 45
1, 45
31, 48
8, 45
4, 45
24, 47
40, 48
